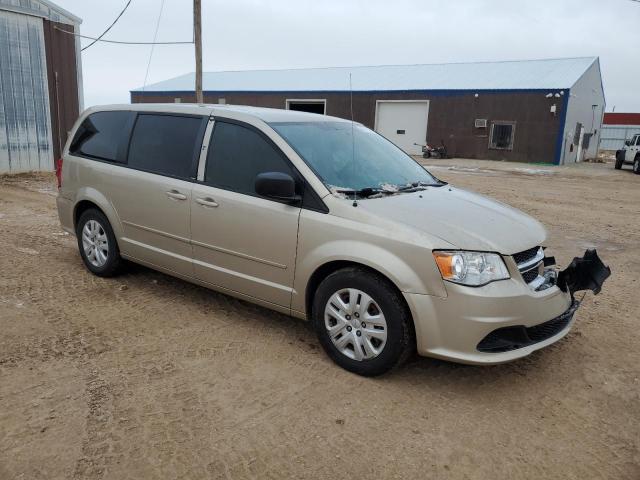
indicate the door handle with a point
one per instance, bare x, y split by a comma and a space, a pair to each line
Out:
176, 195
206, 202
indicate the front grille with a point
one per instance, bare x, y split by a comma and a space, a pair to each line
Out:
511, 338
525, 256
528, 263
530, 275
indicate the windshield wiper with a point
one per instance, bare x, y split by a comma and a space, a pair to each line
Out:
389, 189
364, 192
421, 185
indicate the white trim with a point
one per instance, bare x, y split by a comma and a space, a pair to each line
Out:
79, 77
378, 102
203, 150
323, 101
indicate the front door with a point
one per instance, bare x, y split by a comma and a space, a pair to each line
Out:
243, 242
153, 196
632, 150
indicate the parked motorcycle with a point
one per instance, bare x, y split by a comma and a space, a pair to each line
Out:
429, 151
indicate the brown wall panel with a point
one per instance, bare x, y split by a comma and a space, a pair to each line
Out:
451, 117
63, 82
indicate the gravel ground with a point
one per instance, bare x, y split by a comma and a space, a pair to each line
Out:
147, 376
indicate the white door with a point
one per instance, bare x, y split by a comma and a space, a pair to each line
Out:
404, 123
580, 153
632, 149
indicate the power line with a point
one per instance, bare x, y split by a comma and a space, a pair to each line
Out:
153, 45
109, 28
120, 42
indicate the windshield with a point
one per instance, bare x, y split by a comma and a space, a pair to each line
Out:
368, 162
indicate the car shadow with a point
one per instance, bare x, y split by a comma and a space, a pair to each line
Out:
429, 372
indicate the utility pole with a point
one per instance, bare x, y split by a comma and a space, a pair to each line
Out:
197, 34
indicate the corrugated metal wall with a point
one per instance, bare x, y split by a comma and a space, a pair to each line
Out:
25, 126
613, 136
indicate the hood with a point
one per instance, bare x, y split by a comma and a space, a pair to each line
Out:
467, 220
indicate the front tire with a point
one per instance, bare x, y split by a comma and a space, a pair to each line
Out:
619, 160
97, 244
362, 321
636, 166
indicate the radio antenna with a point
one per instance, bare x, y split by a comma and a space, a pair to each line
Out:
353, 140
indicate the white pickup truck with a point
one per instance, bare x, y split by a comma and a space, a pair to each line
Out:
630, 154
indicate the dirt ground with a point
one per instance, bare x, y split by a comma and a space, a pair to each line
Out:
146, 376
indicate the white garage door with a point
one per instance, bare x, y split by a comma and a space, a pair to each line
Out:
403, 122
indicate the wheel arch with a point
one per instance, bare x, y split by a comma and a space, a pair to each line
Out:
90, 198
326, 269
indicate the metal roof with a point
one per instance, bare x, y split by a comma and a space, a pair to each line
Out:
508, 75
41, 8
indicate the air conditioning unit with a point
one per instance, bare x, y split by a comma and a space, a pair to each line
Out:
481, 123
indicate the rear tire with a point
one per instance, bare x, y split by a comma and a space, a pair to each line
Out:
370, 331
636, 165
97, 244
619, 161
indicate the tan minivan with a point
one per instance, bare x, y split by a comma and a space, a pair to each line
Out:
319, 218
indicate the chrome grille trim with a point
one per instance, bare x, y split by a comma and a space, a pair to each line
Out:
532, 264
529, 264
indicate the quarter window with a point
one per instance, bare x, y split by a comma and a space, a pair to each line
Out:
502, 134
237, 155
103, 135
166, 144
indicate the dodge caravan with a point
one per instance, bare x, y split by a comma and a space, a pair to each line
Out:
319, 218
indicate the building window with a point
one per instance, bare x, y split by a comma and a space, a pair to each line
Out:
307, 105
502, 134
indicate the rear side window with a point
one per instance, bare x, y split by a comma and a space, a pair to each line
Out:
237, 155
103, 135
167, 144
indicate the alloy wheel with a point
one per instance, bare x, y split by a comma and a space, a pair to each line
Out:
95, 243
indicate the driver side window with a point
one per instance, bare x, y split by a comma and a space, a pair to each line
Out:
637, 140
237, 154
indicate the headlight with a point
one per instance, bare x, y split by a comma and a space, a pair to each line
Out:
471, 268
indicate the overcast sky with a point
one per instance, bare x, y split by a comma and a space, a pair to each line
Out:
255, 34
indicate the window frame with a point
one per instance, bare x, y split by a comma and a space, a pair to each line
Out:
204, 120
310, 198
313, 101
510, 123
122, 152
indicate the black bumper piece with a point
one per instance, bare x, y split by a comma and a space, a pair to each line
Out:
586, 273
511, 338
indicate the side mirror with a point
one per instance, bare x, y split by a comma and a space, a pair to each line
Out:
627, 143
278, 186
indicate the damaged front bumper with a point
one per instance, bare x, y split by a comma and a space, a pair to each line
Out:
506, 320
583, 273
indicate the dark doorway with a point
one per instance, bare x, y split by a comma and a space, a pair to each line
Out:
310, 106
